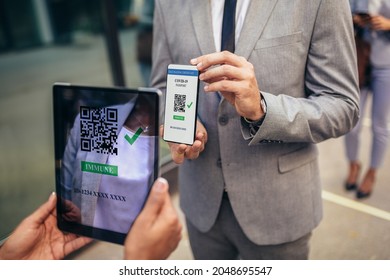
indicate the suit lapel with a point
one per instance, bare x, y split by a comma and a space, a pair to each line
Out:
201, 19
256, 19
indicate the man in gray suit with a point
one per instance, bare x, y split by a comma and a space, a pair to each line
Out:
250, 185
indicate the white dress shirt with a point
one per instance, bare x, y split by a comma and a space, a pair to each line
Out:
217, 18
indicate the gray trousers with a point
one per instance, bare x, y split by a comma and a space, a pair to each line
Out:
227, 241
380, 111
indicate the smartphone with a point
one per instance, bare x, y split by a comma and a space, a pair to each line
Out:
181, 104
363, 15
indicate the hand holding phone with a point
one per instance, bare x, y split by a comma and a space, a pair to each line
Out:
179, 152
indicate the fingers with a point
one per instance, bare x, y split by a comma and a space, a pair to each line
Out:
157, 197
200, 143
222, 72
206, 61
218, 69
375, 22
200, 129
234, 77
192, 152
202, 138
75, 244
226, 72
166, 210
223, 86
178, 152
168, 223
379, 23
157, 230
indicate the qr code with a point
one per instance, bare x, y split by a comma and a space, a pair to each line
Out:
180, 103
98, 130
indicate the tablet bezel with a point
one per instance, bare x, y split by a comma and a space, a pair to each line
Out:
60, 144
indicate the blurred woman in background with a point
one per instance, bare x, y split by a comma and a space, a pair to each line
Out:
373, 17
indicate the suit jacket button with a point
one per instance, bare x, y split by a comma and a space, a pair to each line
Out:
219, 163
223, 120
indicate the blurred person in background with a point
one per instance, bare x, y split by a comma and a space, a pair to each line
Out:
372, 20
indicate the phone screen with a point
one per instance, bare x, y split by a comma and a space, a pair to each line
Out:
181, 104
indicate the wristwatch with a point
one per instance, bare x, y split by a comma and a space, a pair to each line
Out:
255, 125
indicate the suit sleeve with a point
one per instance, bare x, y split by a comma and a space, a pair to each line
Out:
330, 108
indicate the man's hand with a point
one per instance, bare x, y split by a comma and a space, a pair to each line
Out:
235, 78
38, 237
180, 152
157, 230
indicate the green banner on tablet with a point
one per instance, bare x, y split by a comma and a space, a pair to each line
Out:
99, 168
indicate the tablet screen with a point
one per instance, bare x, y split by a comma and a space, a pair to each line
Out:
106, 154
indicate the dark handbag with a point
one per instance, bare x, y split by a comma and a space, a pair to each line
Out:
363, 50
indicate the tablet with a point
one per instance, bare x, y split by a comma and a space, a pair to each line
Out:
106, 157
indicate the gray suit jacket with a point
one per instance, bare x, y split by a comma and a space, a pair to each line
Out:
304, 57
